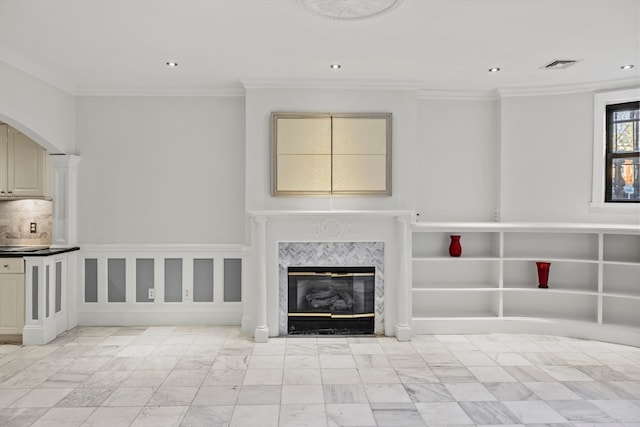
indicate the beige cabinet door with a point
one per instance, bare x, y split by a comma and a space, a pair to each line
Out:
302, 158
4, 161
361, 157
11, 304
27, 171
326, 153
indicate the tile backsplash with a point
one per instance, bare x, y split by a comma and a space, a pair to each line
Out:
16, 217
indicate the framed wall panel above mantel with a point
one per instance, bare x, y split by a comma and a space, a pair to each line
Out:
325, 154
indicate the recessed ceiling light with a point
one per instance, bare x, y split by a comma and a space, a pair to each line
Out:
335, 66
494, 70
172, 64
627, 67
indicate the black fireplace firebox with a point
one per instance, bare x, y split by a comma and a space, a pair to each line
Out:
331, 300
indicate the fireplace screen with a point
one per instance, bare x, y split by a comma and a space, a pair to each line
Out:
331, 300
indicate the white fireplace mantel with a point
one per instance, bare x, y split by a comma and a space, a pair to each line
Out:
271, 228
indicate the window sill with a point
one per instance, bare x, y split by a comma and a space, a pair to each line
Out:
614, 208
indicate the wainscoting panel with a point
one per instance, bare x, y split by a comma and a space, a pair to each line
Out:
232, 279
162, 284
144, 279
203, 282
173, 280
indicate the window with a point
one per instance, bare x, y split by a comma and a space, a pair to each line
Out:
623, 153
616, 154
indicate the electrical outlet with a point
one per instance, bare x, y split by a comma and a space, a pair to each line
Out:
33, 227
187, 294
152, 293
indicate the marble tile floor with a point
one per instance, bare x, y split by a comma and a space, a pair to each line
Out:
216, 376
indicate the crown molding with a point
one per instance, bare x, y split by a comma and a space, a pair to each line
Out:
409, 85
220, 91
458, 95
568, 89
56, 82
412, 85
497, 94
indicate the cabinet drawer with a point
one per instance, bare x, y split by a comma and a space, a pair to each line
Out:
11, 265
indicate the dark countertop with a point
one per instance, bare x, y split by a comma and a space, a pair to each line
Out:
18, 253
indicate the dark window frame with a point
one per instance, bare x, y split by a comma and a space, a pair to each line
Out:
611, 155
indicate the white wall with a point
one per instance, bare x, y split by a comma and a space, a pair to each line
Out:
457, 153
41, 111
527, 157
172, 169
261, 102
161, 169
547, 154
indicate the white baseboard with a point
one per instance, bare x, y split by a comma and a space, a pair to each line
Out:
128, 317
514, 325
38, 334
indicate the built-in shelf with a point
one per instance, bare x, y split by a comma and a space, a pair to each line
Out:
536, 245
557, 305
551, 259
477, 245
452, 259
594, 279
620, 262
479, 287
621, 279
534, 288
621, 311
566, 274
626, 296
456, 303
616, 248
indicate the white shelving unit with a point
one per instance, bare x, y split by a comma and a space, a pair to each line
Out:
621, 280
594, 279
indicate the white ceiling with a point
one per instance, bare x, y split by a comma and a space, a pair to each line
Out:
121, 46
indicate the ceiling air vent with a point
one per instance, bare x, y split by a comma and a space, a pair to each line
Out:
560, 64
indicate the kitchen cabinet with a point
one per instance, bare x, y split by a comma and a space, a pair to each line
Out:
24, 166
12, 303
35, 297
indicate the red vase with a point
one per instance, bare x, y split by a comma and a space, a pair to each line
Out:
455, 248
543, 274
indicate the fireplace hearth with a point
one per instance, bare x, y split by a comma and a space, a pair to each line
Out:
331, 300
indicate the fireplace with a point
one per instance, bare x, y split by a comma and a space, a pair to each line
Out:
324, 240
325, 256
331, 300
